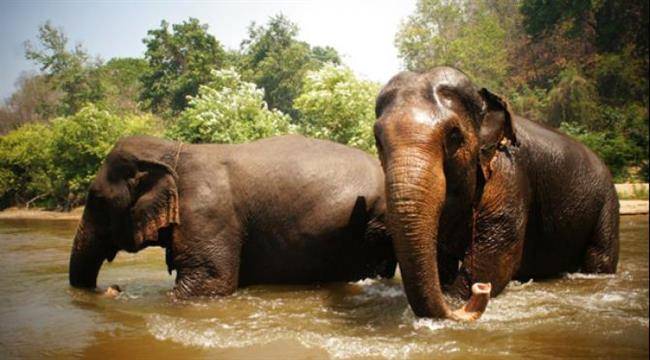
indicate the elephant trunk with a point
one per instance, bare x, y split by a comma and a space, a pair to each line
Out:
415, 188
87, 255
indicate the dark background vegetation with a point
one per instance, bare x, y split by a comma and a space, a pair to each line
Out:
579, 66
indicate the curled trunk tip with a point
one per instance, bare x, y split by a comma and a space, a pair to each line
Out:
476, 304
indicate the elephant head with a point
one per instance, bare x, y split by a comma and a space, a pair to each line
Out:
132, 198
436, 135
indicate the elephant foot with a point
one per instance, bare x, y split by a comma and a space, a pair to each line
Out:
476, 304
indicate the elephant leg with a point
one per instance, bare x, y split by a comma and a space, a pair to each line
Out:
209, 267
602, 250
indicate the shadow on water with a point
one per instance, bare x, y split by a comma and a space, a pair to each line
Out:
576, 315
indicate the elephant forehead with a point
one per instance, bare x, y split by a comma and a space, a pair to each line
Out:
429, 117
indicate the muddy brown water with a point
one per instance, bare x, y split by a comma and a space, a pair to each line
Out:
576, 315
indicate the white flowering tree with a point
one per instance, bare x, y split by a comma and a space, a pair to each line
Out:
228, 110
336, 105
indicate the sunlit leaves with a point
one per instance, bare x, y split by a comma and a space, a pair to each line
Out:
336, 105
228, 110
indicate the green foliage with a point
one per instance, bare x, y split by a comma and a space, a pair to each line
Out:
441, 33
618, 79
228, 110
273, 59
69, 71
120, 78
580, 65
325, 55
612, 147
81, 142
57, 162
531, 103
337, 106
25, 169
180, 61
543, 15
574, 99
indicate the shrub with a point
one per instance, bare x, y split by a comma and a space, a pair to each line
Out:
531, 103
25, 172
574, 99
612, 147
338, 106
228, 110
80, 142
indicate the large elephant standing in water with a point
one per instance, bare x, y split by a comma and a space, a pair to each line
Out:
280, 210
475, 194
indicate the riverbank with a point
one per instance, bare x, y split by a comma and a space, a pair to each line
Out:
628, 207
40, 214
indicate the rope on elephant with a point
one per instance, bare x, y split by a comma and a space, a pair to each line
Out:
178, 154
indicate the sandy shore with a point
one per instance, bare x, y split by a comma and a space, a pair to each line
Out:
39, 214
628, 207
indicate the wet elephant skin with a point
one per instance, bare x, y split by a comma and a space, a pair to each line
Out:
477, 194
280, 210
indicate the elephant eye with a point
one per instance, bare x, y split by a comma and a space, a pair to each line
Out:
454, 140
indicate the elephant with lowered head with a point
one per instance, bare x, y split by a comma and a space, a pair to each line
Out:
478, 195
280, 210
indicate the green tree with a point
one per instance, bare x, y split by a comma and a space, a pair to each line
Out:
179, 61
121, 79
338, 106
70, 71
593, 58
460, 33
612, 147
25, 169
228, 110
34, 100
574, 100
79, 144
276, 61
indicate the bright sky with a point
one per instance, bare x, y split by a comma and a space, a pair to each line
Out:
362, 31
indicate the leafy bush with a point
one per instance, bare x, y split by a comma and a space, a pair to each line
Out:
336, 105
80, 142
228, 110
56, 163
25, 170
531, 103
612, 147
574, 99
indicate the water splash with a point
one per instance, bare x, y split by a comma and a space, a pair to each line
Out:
210, 333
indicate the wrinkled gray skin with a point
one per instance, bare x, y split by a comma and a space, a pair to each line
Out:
280, 210
476, 194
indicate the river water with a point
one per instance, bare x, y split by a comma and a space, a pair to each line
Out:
574, 316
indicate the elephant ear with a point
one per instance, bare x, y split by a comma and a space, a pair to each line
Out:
155, 203
496, 129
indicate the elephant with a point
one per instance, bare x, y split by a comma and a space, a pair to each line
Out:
282, 210
476, 194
